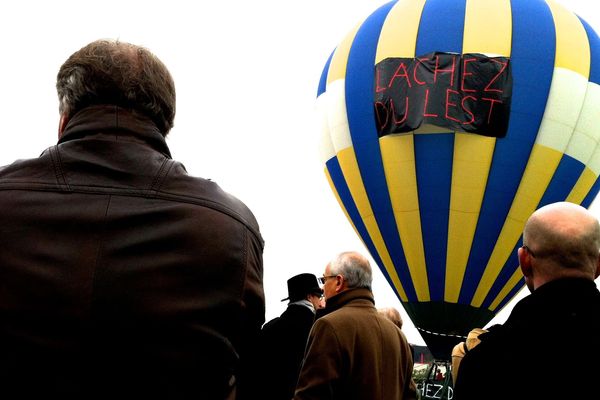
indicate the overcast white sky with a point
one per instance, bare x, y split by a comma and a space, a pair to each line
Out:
246, 74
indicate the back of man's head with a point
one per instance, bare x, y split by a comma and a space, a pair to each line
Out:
117, 73
355, 269
392, 314
565, 240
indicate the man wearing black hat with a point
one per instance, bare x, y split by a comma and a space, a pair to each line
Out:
283, 339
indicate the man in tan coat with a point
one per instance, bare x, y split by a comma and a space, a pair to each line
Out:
353, 352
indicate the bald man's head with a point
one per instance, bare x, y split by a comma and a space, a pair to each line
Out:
564, 240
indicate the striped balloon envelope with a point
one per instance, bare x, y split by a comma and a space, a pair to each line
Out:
445, 124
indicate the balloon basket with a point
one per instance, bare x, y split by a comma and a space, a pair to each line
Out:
436, 381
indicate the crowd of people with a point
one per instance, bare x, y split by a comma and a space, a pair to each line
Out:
121, 276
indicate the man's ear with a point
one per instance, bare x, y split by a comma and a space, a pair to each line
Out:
339, 283
525, 262
526, 268
597, 268
62, 124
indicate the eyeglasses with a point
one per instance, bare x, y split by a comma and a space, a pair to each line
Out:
324, 278
528, 250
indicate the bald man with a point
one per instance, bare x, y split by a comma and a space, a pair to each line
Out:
550, 344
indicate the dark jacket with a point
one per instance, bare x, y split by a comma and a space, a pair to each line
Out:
547, 349
121, 275
283, 341
354, 353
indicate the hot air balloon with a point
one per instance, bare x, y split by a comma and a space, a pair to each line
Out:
445, 124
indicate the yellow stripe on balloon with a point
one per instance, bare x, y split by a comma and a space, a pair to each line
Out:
470, 169
397, 152
398, 157
572, 47
398, 37
488, 30
488, 27
538, 173
349, 167
510, 285
582, 187
339, 61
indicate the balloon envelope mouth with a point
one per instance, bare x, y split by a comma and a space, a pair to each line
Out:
442, 325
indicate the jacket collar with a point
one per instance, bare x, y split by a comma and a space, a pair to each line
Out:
554, 296
565, 285
117, 123
304, 303
358, 296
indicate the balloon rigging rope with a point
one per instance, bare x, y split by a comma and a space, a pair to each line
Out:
440, 334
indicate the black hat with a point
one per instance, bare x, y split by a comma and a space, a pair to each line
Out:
301, 285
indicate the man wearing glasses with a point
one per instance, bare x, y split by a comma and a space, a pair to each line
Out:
548, 347
353, 352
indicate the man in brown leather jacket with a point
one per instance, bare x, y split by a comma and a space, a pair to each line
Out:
121, 275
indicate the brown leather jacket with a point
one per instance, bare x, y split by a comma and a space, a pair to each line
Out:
121, 275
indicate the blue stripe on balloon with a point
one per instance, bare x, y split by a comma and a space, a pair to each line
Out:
360, 73
507, 272
510, 295
323, 80
594, 42
532, 59
567, 174
434, 155
591, 195
441, 29
565, 177
337, 177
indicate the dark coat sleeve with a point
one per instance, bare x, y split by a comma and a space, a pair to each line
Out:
470, 379
252, 319
483, 368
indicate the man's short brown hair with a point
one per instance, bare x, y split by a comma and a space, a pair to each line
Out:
121, 74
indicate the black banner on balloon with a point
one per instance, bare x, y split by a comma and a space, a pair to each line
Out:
465, 93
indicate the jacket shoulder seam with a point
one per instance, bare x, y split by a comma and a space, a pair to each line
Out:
147, 193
